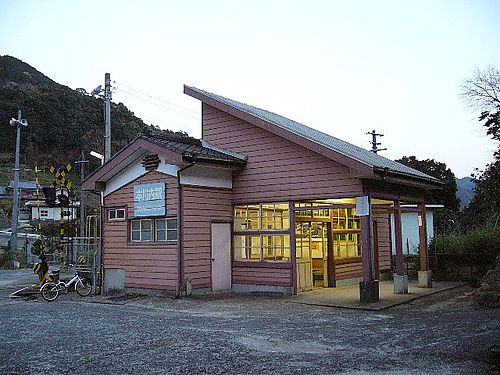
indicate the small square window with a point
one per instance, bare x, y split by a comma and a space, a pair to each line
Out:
116, 214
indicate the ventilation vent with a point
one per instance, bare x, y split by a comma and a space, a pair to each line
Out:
151, 162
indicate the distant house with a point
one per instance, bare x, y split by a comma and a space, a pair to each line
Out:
38, 209
26, 189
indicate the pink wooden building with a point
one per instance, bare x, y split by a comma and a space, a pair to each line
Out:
260, 203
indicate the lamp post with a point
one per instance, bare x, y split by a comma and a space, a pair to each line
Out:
15, 196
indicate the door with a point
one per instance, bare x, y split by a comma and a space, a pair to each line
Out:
303, 259
221, 256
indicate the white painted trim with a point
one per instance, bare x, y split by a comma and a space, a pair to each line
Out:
209, 176
133, 172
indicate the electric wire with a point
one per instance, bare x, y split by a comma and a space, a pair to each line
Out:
164, 107
155, 97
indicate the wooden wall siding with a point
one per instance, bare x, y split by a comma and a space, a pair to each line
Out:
201, 206
384, 239
276, 168
147, 266
348, 269
261, 276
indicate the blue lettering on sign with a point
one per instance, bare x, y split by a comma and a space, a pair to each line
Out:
149, 200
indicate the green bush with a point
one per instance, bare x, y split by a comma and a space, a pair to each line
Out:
476, 241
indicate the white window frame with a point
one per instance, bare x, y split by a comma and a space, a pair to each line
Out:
115, 211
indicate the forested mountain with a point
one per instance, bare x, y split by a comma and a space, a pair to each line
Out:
61, 121
465, 191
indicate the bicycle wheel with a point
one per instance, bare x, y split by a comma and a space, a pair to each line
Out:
83, 287
49, 291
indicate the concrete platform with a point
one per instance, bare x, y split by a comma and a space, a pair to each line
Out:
348, 296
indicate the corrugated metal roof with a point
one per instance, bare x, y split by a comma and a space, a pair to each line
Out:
27, 185
345, 148
194, 148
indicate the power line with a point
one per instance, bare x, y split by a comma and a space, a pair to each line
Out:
156, 98
156, 104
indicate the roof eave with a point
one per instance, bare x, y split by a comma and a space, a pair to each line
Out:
408, 179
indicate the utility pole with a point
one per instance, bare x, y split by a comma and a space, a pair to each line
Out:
107, 117
81, 160
374, 142
15, 195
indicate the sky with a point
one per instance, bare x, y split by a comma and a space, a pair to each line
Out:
342, 67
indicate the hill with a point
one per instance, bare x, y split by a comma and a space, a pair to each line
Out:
61, 121
465, 191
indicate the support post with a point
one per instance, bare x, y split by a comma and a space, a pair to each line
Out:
400, 278
15, 194
424, 274
368, 288
293, 250
107, 117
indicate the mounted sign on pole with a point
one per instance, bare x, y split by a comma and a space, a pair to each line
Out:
149, 199
362, 206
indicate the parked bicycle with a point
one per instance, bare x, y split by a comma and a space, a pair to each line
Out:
50, 291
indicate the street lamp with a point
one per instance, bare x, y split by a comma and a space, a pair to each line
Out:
15, 196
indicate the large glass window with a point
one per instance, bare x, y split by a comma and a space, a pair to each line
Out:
261, 232
347, 233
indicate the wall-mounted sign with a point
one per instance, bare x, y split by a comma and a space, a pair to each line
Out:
362, 206
149, 199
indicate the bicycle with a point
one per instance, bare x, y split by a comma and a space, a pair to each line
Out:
50, 291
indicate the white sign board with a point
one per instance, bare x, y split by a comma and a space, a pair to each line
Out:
362, 206
149, 199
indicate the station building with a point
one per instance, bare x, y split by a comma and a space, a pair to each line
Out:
260, 203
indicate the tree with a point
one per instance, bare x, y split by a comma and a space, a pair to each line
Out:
482, 93
446, 220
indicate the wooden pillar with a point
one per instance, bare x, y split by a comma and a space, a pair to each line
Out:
398, 235
422, 233
367, 248
293, 252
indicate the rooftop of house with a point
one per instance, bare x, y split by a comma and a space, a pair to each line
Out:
26, 185
345, 148
192, 148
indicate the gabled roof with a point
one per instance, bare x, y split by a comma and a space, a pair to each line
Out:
192, 148
358, 154
177, 149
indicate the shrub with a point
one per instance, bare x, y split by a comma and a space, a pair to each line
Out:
476, 241
465, 257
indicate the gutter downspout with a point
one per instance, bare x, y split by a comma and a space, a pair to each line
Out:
179, 229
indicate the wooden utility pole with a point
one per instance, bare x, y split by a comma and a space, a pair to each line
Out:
107, 117
374, 142
15, 194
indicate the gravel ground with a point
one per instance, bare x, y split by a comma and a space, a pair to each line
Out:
442, 334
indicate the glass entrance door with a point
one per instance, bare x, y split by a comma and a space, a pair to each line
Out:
311, 255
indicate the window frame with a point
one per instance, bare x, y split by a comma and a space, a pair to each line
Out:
116, 210
153, 230
261, 233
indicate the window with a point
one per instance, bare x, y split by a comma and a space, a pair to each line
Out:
261, 232
347, 233
44, 213
166, 229
157, 230
141, 230
116, 214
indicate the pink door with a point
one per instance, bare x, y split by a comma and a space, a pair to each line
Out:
221, 256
